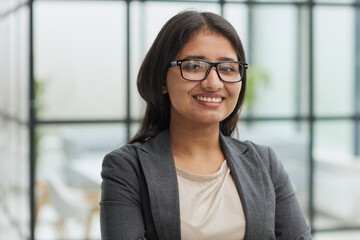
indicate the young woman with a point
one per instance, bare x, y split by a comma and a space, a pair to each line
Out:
182, 176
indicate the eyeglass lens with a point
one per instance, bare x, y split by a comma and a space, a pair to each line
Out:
197, 70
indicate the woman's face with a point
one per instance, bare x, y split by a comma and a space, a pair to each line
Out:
208, 101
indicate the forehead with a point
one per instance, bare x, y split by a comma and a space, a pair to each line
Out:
209, 45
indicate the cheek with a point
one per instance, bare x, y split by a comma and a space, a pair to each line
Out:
173, 79
234, 90
174, 91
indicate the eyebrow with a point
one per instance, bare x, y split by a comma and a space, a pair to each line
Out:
194, 57
203, 58
227, 59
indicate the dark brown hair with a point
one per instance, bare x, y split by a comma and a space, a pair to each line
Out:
170, 40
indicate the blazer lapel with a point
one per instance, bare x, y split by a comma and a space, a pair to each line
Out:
159, 169
158, 166
248, 179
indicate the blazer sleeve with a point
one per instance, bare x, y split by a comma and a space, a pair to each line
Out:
120, 207
289, 219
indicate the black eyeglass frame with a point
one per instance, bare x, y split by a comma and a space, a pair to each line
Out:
212, 64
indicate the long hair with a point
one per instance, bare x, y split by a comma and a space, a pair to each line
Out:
170, 40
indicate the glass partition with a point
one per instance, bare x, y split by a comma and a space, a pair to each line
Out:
68, 178
273, 66
337, 173
334, 60
14, 128
80, 60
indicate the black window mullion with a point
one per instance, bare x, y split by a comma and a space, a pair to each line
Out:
32, 122
222, 4
357, 81
128, 87
311, 114
298, 66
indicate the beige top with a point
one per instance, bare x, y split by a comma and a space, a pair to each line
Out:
210, 206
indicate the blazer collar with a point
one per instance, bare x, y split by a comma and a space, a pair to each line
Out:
159, 169
246, 171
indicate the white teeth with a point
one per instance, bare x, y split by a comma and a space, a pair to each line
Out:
208, 99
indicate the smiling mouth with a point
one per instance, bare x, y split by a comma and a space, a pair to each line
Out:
209, 99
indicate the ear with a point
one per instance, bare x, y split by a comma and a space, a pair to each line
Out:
163, 87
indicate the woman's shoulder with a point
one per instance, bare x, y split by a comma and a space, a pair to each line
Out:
128, 149
123, 157
157, 143
255, 152
247, 145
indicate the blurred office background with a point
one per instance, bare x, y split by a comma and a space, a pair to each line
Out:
68, 96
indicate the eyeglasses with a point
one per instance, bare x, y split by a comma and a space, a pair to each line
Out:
198, 70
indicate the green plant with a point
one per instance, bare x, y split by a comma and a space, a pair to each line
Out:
256, 76
39, 88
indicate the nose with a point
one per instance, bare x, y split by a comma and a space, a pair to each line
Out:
212, 81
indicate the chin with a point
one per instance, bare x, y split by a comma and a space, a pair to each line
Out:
210, 119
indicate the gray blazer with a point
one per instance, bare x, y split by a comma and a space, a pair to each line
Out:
140, 198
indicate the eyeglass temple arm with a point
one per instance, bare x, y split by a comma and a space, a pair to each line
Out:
174, 63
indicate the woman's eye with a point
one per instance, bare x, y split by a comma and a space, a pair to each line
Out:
192, 66
226, 69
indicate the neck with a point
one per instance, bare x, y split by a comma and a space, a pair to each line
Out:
196, 149
192, 136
